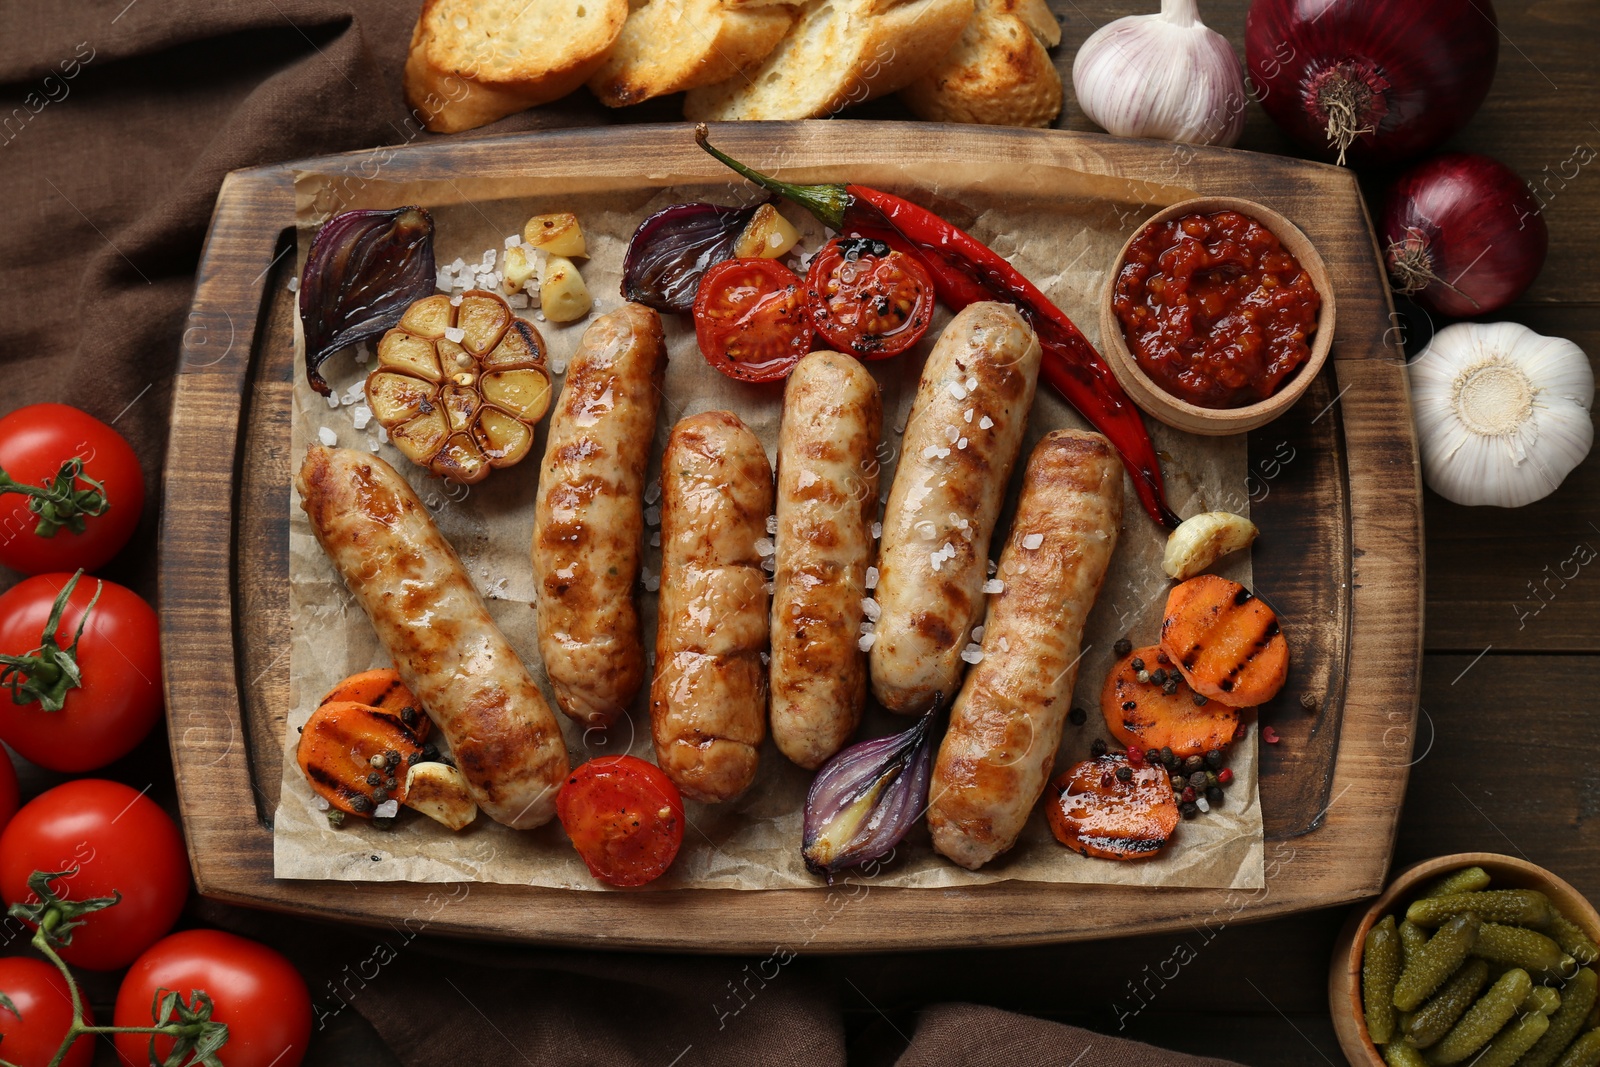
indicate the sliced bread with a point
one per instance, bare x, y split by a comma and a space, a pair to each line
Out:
474, 61
998, 73
839, 52
668, 46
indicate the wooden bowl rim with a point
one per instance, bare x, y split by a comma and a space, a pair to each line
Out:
1344, 971
1161, 404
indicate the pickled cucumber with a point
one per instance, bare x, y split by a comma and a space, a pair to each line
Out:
1466, 880
1484, 1019
1542, 999
1436, 961
1577, 997
1380, 969
1400, 1054
1573, 941
1435, 1018
1584, 1052
1412, 937
1528, 949
1509, 1044
1518, 907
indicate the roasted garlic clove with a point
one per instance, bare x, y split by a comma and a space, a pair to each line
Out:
439, 791
459, 387
767, 236
563, 296
1201, 540
558, 234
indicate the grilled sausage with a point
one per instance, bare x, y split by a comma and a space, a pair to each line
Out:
960, 444
1005, 725
827, 499
434, 624
708, 701
590, 516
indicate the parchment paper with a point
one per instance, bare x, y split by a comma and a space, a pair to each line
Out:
1063, 235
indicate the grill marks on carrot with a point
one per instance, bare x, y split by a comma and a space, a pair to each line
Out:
336, 749
383, 690
1143, 715
1095, 812
1225, 641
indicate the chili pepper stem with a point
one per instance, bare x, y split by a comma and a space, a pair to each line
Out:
828, 203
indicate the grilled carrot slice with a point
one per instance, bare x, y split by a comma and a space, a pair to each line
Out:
1145, 715
1096, 812
1225, 641
356, 757
382, 689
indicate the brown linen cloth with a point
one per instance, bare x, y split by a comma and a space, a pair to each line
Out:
118, 120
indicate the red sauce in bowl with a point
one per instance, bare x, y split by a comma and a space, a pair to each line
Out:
1214, 309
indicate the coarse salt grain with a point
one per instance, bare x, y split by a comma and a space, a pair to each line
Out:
652, 515
770, 588
772, 524
766, 658
930, 451
454, 333
961, 443
951, 433
866, 642
877, 532
806, 479
770, 564
332, 399
372, 446
294, 285
652, 493
1202, 803
514, 240
927, 530
985, 422
994, 585
387, 810
558, 366
765, 547
872, 578
993, 566
455, 301
321, 802
870, 608
655, 539
361, 416
518, 301
1032, 541
972, 385
971, 654
383, 434
966, 416
935, 560
977, 632
327, 436
441, 280
1005, 644
865, 628
958, 391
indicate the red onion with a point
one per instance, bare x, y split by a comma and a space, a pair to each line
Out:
672, 249
867, 798
1463, 235
1374, 81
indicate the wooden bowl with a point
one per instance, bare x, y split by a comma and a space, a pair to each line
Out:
1161, 404
1344, 970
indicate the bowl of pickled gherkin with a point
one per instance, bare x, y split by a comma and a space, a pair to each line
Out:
1476, 959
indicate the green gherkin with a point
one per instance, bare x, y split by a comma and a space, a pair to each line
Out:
1584, 1052
1519, 907
1509, 1044
1435, 1018
1380, 969
1573, 941
1517, 947
1400, 1054
1436, 961
1412, 938
1577, 998
1466, 880
1484, 1019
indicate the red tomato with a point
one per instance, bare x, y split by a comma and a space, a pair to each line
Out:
44, 1005
34, 442
10, 795
119, 840
625, 818
750, 320
118, 699
867, 299
253, 989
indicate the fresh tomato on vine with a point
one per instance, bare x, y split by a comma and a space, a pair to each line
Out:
120, 842
253, 989
80, 671
71, 490
750, 319
625, 818
867, 299
36, 1014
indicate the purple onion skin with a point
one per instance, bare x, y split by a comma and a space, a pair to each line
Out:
1470, 221
673, 248
903, 802
364, 269
1428, 64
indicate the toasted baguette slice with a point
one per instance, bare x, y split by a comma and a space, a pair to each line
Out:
998, 73
668, 46
840, 52
474, 61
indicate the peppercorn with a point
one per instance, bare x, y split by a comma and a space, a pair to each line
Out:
379, 796
1200, 700
1214, 758
1161, 658
1097, 748
361, 804
408, 715
1136, 757
1194, 763
1179, 783
1308, 702
430, 754
1171, 687
1124, 774
1189, 794
374, 778
391, 784
1214, 796
1137, 664
1225, 776
376, 761
1077, 716
1211, 779
1122, 647
1158, 677
1197, 780
1189, 810
335, 818
1167, 758
1143, 677
392, 758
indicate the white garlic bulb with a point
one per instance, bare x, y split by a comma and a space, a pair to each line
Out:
1165, 76
1502, 413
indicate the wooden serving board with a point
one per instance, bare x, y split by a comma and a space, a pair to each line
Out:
1334, 487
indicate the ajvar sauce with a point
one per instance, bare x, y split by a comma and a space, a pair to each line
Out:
1214, 309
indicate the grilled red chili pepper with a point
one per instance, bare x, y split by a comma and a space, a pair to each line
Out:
965, 270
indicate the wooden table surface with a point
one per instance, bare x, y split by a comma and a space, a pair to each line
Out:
1506, 753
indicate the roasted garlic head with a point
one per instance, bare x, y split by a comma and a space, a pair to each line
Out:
459, 388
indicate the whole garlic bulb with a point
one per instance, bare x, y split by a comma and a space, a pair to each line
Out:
1165, 76
1502, 413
